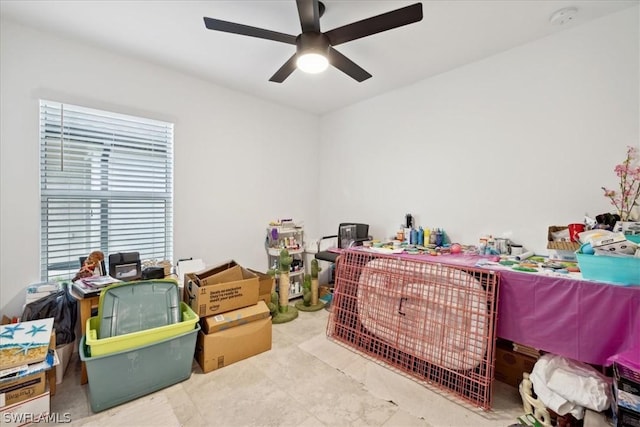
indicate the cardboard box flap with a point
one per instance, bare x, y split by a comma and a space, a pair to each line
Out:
226, 272
266, 282
221, 289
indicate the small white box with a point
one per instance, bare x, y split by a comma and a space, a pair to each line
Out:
28, 411
561, 255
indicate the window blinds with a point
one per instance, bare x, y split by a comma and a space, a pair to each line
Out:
106, 183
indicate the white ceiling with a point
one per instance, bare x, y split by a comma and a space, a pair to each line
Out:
172, 34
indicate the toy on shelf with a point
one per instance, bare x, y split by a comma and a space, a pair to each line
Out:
88, 268
310, 300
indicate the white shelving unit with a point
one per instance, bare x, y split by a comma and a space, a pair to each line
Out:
290, 237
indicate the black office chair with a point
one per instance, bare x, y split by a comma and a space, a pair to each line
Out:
349, 234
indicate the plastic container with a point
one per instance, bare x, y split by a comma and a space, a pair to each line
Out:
135, 306
126, 375
100, 346
633, 238
616, 270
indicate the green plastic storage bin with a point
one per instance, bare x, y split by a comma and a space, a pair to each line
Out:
120, 377
101, 346
135, 306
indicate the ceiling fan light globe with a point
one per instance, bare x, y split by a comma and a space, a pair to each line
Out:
312, 63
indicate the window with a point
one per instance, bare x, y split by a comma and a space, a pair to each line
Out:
106, 183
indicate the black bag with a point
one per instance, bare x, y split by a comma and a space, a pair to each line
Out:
64, 310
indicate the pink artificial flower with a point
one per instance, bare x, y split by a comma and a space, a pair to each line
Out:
627, 197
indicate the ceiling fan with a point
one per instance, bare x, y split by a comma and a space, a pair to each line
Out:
314, 49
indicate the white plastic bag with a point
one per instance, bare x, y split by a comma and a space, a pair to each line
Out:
566, 386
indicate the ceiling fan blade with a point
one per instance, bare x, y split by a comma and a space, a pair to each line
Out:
347, 66
376, 24
246, 30
309, 12
284, 71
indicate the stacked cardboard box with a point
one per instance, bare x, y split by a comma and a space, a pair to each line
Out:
511, 364
234, 318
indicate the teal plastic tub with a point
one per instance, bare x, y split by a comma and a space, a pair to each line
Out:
120, 377
616, 270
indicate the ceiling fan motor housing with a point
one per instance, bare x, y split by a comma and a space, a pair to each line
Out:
312, 42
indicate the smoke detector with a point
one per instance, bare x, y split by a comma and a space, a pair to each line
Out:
563, 16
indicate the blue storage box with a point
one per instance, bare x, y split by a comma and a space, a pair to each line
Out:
116, 378
623, 271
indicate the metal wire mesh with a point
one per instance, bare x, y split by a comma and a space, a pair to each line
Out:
433, 322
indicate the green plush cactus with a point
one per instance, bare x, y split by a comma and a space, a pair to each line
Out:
315, 269
306, 290
285, 261
274, 305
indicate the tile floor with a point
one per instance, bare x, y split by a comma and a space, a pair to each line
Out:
304, 380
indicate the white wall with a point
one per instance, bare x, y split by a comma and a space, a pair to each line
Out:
511, 144
507, 145
236, 157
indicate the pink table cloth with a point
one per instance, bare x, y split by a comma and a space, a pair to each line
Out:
579, 319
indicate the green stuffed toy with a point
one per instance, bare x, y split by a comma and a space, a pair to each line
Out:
306, 290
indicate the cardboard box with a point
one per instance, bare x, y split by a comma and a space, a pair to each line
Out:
220, 349
510, 365
220, 322
34, 410
22, 388
565, 245
266, 285
220, 289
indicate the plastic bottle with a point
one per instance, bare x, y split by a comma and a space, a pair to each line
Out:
414, 237
420, 236
439, 237
432, 237
427, 236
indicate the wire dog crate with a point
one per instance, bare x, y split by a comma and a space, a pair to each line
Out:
433, 322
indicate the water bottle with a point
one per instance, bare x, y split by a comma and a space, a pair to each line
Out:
414, 237
420, 236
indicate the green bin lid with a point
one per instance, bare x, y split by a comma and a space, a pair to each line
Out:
135, 306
